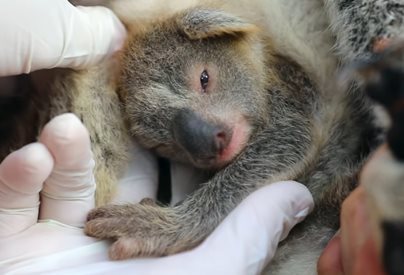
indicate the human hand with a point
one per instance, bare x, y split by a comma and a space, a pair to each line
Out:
355, 248
44, 34
49, 179
248, 236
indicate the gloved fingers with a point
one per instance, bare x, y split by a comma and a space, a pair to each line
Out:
22, 174
94, 34
68, 193
53, 33
250, 235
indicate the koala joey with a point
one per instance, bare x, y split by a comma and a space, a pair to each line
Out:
250, 97
220, 91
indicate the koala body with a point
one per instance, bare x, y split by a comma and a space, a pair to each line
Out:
245, 90
261, 117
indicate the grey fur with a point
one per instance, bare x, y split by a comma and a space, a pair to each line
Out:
292, 133
358, 24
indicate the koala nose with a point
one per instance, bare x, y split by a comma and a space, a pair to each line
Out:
200, 138
221, 139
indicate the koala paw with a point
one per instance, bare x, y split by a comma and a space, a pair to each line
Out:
139, 230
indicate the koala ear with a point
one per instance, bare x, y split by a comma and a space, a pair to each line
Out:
204, 23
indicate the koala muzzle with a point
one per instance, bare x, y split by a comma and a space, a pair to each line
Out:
203, 140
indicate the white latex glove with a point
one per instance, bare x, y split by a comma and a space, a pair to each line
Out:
244, 242
57, 171
44, 34
53, 180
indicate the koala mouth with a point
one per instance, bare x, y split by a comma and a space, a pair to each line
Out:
210, 145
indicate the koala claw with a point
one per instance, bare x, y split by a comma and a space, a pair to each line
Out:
126, 248
139, 230
110, 211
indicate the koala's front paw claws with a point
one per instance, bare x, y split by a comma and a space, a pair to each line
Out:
140, 230
148, 201
105, 228
125, 248
96, 213
110, 211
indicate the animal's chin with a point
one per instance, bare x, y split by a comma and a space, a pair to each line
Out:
209, 164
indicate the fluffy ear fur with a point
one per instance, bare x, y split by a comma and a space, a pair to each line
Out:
200, 23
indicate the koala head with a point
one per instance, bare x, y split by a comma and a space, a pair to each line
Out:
193, 86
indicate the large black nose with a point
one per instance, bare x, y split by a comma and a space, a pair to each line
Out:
200, 138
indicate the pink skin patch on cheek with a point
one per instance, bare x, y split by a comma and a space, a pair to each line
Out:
239, 139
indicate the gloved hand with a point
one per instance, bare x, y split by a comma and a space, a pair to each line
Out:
248, 237
50, 179
38, 35
44, 34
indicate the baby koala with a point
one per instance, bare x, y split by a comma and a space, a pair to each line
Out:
209, 88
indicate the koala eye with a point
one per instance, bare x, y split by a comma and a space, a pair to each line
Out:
204, 80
